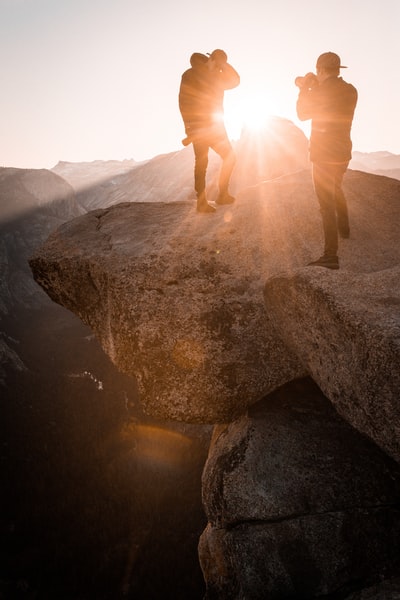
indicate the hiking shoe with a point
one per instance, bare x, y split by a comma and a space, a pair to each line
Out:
225, 198
330, 262
204, 207
202, 204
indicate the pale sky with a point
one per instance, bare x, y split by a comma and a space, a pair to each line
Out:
87, 80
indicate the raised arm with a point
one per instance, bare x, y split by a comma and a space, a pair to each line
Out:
229, 77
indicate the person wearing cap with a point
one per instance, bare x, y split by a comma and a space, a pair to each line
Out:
201, 97
329, 102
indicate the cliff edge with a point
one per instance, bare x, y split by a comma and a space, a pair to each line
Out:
177, 299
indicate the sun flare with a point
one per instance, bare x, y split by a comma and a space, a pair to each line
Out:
248, 111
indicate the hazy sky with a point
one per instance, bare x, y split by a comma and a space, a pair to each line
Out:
95, 79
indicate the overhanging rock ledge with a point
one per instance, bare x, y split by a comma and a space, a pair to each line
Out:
176, 298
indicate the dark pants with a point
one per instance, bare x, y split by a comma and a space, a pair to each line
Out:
327, 179
218, 141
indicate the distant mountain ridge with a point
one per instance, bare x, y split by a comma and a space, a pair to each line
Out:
82, 175
279, 149
121, 179
379, 163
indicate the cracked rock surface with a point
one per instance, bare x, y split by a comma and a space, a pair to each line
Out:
299, 503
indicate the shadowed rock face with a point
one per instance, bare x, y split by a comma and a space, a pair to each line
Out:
300, 505
32, 204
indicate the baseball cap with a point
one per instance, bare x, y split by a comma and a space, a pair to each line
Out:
329, 60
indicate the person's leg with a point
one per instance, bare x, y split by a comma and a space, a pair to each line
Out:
224, 149
200, 166
200, 149
324, 185
341, 204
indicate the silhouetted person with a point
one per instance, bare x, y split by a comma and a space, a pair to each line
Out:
201, 97
330, 102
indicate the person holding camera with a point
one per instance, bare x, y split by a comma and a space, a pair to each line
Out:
329, 102
201, 97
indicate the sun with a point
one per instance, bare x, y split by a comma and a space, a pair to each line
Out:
251, 110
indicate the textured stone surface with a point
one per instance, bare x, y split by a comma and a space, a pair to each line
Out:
176, 298
299, 503
346, 329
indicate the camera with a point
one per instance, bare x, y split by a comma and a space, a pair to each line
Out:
308, 81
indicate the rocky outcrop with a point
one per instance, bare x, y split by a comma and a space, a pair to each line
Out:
299, 504
176, 298
275, 150
379, 163
84, 175
179, 300
291, 514
344, 326
346, 330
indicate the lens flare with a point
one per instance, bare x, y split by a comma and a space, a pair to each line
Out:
251, 111
157, 445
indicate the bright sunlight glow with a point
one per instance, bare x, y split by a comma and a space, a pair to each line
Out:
249, 111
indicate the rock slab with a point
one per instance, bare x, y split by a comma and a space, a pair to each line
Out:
176, 298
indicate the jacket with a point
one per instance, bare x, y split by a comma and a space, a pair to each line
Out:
201, 95
331, 106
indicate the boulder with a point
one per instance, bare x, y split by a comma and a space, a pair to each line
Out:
299, 504
346, 330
